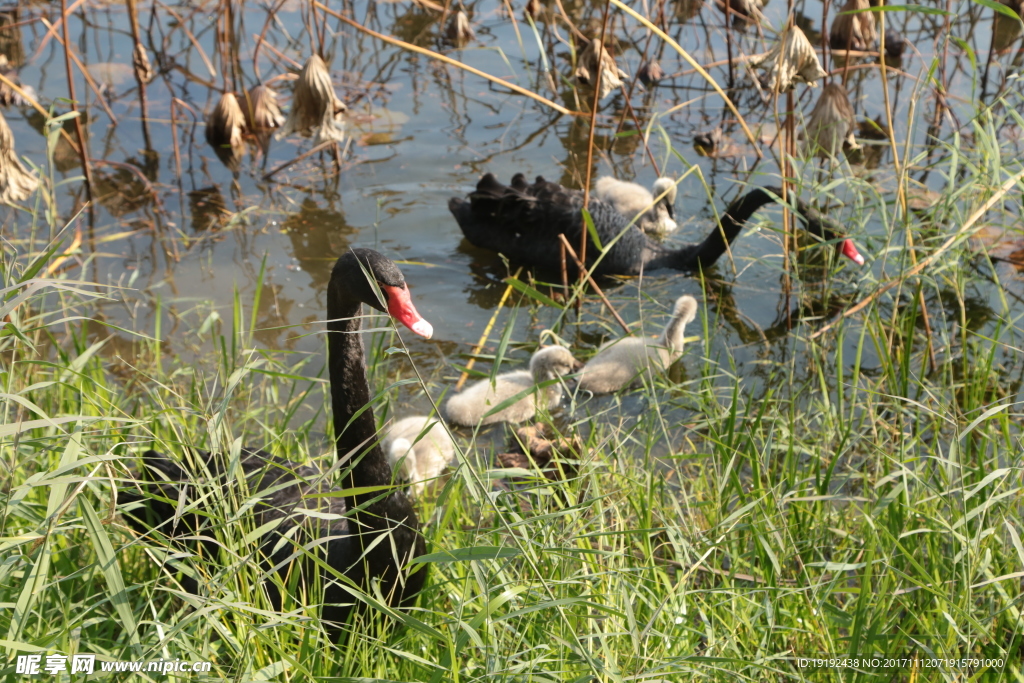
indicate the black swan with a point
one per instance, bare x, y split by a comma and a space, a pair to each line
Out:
620, 361
470, 407
523, 222
354, 522
630, 199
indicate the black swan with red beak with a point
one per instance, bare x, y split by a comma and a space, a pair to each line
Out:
352, 524
523, 222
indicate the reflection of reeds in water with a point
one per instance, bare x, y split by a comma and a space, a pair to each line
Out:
207, 208
16, 183
1005, 32
318, 236
10, 38
123, 191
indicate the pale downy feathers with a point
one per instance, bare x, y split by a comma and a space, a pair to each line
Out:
16, 182
315, 105
831, 123
469, 407
419, 449
630, 199
854, 31
791, 60
620, 362
595, 58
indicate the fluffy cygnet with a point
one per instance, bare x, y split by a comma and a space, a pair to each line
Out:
629, 199
423, 458
619, 362
469, 407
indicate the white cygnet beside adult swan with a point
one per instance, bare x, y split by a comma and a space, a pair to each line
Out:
419, 449
470, 407
630, 199
618, 363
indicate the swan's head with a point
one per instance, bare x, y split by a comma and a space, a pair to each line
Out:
349, 280
552, 362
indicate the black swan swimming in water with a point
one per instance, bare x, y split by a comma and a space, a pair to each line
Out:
523, 222
354, 522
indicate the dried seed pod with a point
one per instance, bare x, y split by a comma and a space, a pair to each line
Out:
748, 9
10, 38
830, 126
650, 73
16, 182
708, 142
791, 60
532, 8
226, 123
315, 105
224, 128
459, 30
853, 31
593, 59
261, 109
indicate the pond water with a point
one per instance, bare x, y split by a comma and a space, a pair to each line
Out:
422, 131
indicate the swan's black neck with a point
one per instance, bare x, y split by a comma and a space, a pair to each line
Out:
354, 427
703, 255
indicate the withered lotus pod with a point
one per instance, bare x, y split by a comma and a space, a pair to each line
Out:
315, 105
744, 8
16, 182
791, 60
830, 126
261, 109
459, 30
226, 123
594, 59
532, 8
854, 31
650, 73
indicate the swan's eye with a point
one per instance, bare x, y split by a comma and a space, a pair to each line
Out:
401, 308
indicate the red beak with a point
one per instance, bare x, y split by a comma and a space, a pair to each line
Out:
401, 309
848, 249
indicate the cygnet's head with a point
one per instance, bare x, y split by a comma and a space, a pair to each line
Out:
551, 362
685, 309
664, 210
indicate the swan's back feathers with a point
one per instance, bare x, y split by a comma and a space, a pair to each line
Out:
523, 222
